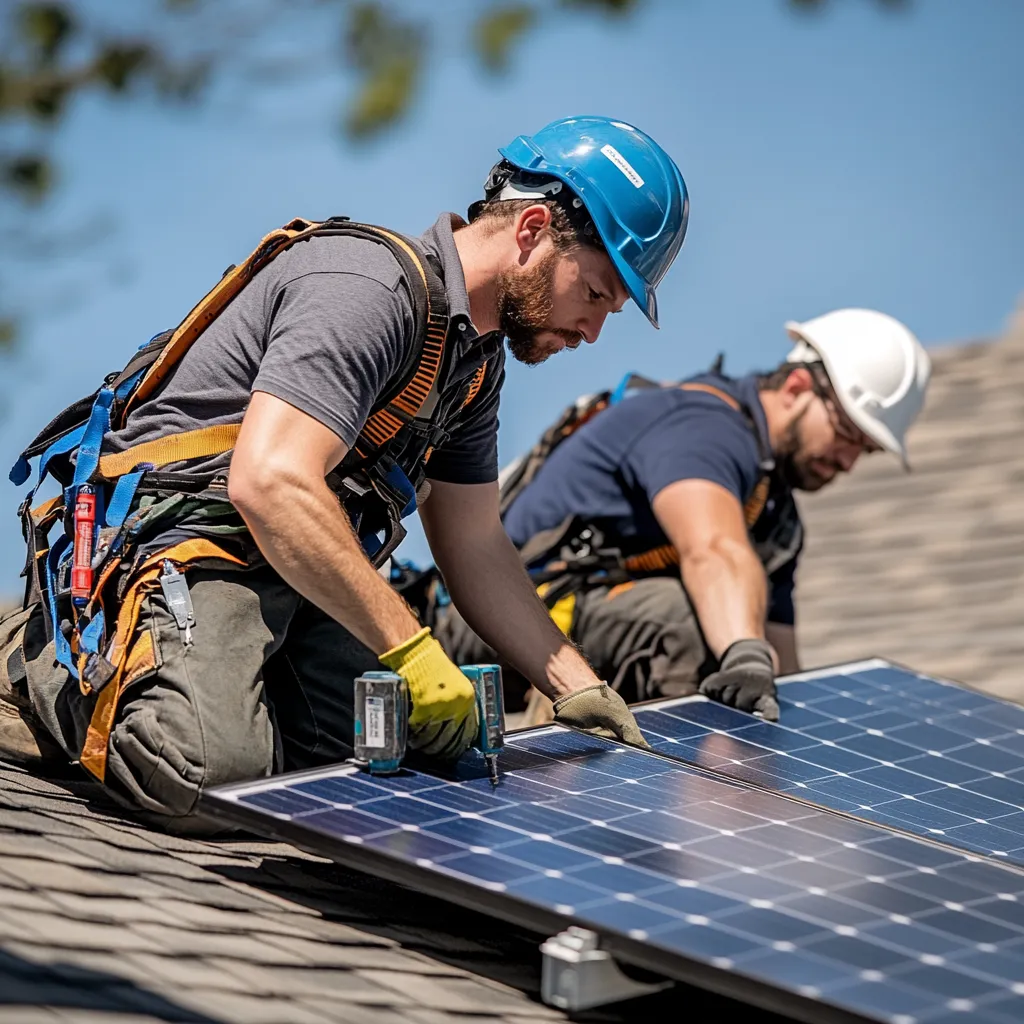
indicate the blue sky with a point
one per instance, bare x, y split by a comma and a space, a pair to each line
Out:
854, 158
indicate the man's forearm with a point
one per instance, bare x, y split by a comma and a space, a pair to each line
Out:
304, 534
502, 607
727, 587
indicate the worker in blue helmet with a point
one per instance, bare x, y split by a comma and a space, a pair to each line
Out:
621, 191
202, 593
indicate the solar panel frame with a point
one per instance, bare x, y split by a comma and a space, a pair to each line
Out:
847, 751
535, 918
744, 860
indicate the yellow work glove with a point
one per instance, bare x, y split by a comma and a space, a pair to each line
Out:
600, 710
443, 722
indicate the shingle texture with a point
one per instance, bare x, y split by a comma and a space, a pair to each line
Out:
928, 568
105, 921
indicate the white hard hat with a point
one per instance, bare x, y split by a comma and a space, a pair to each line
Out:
877, 368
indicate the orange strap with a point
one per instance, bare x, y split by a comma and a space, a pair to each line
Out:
192, 444
712, 390
42, 511
382, 425
133, 659
475, 384
213, 304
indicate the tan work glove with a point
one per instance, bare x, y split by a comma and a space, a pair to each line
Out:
443, 722
600, 710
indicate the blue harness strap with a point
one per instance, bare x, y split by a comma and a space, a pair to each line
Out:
620, 389
121, 499
91, 638
60, 551
98, 425
22, 469
402, 486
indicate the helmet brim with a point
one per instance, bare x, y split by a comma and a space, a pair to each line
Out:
639, 290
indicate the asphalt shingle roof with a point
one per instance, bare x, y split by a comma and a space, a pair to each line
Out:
105, 921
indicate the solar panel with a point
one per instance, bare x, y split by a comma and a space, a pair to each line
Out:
740, 891
875, 740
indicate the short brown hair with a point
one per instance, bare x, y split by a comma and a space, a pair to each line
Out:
565, 234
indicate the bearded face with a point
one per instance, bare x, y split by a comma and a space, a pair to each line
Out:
801, 462
526, 308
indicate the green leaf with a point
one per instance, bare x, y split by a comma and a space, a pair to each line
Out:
498, 31
30, 175
45, 28
119, 64
366, 34
388, 52
46, 100
385, 96
183, 82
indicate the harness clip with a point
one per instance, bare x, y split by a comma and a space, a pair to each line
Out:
179, 601
97, 672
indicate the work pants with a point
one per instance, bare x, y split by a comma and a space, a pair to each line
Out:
266, 685
642, 637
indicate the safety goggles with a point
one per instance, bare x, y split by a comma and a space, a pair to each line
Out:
843, 427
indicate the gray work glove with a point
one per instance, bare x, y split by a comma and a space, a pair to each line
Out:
600, 710
745, 679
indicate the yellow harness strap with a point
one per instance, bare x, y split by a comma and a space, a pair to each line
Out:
132, 660
562, 611
192, 444
41, 512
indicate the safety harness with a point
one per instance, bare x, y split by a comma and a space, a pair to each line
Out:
110, 500
577, 554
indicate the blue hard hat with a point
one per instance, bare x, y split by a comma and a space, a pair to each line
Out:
629, 185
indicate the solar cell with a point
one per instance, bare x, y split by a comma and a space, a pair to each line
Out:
877, 741
732, 888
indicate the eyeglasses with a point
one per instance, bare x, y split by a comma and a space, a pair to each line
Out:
845, 429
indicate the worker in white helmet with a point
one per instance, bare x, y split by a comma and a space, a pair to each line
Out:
663, 531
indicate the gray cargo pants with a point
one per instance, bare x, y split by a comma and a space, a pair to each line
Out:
643, 638
266, 686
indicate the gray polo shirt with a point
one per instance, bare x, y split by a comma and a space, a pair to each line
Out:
325, 327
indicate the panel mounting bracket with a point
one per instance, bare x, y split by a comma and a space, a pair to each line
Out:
577, 974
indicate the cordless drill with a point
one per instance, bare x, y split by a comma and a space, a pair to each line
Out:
381, 720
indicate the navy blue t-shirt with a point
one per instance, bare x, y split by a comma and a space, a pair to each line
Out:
610, 470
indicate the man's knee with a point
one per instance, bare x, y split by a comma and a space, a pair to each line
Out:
196, 716
161, 757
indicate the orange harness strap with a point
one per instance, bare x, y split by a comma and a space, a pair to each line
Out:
132, 660
214, 303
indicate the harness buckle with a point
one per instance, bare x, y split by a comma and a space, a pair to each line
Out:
97, 672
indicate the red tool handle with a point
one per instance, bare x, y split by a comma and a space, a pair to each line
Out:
81, 562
